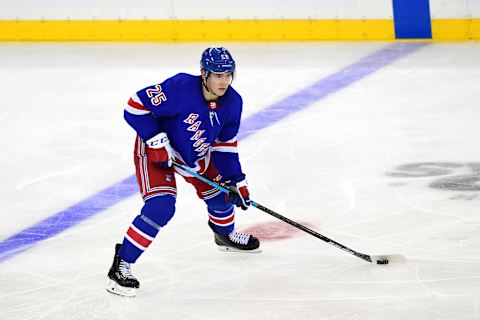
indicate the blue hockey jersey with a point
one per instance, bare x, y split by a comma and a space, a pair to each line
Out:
199, 131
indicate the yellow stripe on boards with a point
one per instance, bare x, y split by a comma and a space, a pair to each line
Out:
196, 30
455, 29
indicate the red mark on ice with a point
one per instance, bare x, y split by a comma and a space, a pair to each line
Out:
274, 231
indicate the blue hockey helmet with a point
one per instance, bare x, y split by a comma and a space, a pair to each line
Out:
217, 60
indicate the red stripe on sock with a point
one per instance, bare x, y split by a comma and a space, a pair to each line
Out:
138, 238
222, 221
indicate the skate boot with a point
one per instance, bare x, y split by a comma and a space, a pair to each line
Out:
236, 241
122, 281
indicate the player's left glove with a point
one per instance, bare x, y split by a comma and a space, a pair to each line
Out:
238, 194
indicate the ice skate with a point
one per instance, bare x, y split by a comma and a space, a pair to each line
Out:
122, 281
236, 241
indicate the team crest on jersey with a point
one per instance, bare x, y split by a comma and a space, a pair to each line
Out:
212, 105
198, 141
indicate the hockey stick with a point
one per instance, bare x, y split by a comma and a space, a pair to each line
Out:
377, 259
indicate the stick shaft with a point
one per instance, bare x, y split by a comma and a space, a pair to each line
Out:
312, 232
365, 257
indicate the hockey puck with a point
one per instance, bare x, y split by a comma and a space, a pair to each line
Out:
383, 261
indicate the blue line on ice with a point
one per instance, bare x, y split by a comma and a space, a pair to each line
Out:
127, 187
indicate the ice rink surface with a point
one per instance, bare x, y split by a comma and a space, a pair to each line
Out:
387, 162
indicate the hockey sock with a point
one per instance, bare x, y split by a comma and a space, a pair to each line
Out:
155, 214
221, 214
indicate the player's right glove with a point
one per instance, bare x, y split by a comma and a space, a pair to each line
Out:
160, 151
238, 194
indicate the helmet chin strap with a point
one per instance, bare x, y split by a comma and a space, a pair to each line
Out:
204, 84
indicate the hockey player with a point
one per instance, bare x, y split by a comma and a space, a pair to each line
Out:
194, 121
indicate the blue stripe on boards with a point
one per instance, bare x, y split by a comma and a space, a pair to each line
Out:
412, 19
112, 195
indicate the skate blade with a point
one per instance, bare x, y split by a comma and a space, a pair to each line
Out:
115, 288
231, 249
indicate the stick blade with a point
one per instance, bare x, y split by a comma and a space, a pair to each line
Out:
388, 258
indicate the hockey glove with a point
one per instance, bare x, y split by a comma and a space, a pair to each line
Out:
238, 194
160, 151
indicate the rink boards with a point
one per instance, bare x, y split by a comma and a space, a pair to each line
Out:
243, 21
